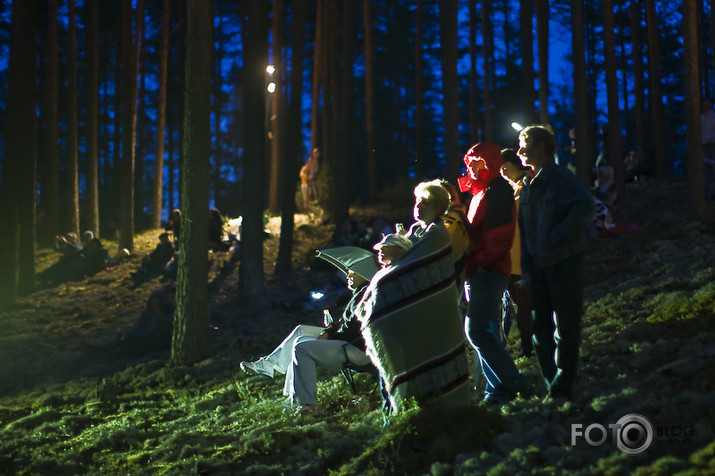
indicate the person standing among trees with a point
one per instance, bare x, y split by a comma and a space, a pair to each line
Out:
492, 215
554, 212
515, 173
309, 178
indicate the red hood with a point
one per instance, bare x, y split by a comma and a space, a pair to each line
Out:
491, 153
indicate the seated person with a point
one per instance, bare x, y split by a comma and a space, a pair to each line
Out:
174, 224
69, 243
153, 329
75, 266
410, 320
605, 188
154, 262
216, 230
308, 346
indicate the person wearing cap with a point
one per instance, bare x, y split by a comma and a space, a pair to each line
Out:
391, 247
555, 211
492, 216
515, 172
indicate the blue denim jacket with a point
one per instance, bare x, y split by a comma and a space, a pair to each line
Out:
554, 212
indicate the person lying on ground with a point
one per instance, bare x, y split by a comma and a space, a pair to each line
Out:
72, 267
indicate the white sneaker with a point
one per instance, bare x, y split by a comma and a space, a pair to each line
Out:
261, 366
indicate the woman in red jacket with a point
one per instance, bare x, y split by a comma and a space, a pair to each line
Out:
492, 215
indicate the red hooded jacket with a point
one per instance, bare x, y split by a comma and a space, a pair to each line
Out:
492, 212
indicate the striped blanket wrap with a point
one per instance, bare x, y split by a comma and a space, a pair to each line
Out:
412, 325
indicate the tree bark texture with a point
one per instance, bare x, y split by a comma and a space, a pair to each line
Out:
92, 115
255, 40
656, 91
583, 145
19, 147
190, 338
158, 179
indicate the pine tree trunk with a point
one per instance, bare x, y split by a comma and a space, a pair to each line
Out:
448, 10
639, 88
473, 93
615, 147
51, 119
370, 103
275, 191
139, 220
317, 79
487, 52
92, 115
190, 342
294, 132
419, 92
542, 33
255, 41
583, 146
129, 109
526, 15
157, 184
216, 182
72, 139
656, 92
19, 146
347, 111
691, 86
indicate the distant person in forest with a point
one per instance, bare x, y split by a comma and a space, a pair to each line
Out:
216, 222
554, 212
174, 225
515, 173
492, 217
309, 178
75, 266
154, 263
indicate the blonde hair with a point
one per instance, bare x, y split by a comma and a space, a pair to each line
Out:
433, 191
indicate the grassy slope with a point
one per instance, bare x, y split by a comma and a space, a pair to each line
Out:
69, 406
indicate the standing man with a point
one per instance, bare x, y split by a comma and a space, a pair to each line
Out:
492, 217
555, 210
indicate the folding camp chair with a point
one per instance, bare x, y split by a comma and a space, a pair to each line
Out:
350, 369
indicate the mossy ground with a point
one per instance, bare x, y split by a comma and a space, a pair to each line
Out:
70, 405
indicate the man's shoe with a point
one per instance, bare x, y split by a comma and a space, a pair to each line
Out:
261, 366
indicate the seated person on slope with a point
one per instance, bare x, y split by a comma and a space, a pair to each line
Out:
308, 346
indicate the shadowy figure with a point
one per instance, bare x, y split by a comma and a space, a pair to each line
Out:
174, 225
152, 332
154, 263
75, 266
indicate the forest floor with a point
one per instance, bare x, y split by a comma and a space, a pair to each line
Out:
70, 404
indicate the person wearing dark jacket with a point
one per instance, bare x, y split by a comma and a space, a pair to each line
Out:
492, 216
308, 346
555, 211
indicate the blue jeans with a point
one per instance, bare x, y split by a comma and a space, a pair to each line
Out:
482, 329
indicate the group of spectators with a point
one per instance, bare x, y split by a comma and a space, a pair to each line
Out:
523, 228
81, 257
